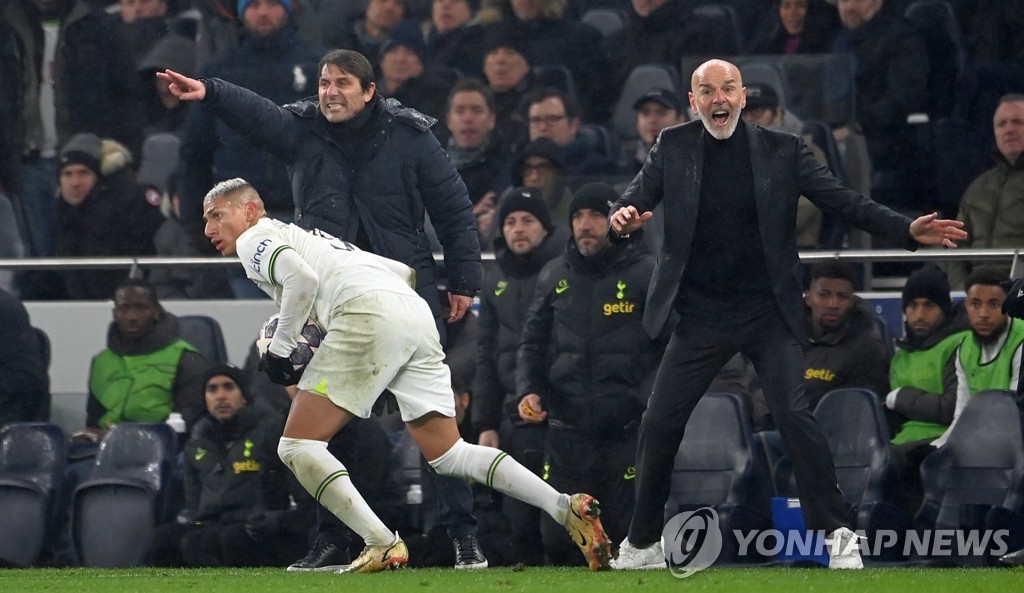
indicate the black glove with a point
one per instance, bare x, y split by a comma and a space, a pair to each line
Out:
280, 370
385, 404
1013, 304
263, 524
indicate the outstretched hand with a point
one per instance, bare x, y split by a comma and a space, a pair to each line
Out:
183, 87
626, 220
932, 230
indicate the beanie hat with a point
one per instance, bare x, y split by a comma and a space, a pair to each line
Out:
83, 149
928, 282
593, 196
406, 34
524, 199
543, 147
236, 374
508, 38
243, 4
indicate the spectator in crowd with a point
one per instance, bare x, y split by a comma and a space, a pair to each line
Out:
508, 73
477, 149
147, 371
365, 32
845, 348
797, 27
454, 42
101, 211
88, 84
556, 41
922, 376
553, 114
993, 204
540, 166
173, 240
218, 30
12, 93
11, 245
995, 49
164, 111
225, 479
145, 22
585, 364
24, 382
655, 31
764, 109
891, 79
990, 356
403, 76
656, 110
270, 60
526, 242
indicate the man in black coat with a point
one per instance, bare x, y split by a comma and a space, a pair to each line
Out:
738, 290
585, 364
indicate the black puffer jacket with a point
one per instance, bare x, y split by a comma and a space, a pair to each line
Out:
223, 465
401, 173
504, 301
587, 314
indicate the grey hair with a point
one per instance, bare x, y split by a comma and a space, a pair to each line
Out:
227, 187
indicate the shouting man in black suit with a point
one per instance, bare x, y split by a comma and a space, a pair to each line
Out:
729, 267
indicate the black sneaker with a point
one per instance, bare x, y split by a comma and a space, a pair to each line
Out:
467, 553
322, 557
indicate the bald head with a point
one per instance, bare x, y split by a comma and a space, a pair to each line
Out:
717, 96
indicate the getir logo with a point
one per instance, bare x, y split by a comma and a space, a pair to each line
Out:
822, 374
619, 307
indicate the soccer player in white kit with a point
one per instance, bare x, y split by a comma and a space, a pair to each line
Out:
380, 335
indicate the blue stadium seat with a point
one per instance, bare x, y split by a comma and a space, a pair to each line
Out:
976, 480
115, 511
642, 79
205, 334
32, 459
720, 465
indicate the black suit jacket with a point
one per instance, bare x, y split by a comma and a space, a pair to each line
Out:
784, 169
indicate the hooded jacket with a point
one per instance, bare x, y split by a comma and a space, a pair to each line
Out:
146, 380
504, 301
223, 466
852, 355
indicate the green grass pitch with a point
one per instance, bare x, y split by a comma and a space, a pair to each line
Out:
559, 580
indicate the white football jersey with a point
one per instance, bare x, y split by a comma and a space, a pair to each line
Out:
327, 273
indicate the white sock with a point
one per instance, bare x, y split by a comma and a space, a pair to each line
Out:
324, 477
497, 469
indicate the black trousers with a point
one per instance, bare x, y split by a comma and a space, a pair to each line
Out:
708, 334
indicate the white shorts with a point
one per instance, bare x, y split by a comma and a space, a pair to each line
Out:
382, 340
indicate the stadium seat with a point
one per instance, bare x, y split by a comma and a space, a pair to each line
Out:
977, 478
205, 334
854, 423
719, 28
32, 459
720, 465
115, 511
556, 76
605, 20
159, 159
642, 79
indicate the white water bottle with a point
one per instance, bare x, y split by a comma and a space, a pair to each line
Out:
176, 422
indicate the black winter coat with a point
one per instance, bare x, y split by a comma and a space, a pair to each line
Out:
402, 174
504, 301
223, 465
587, 314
